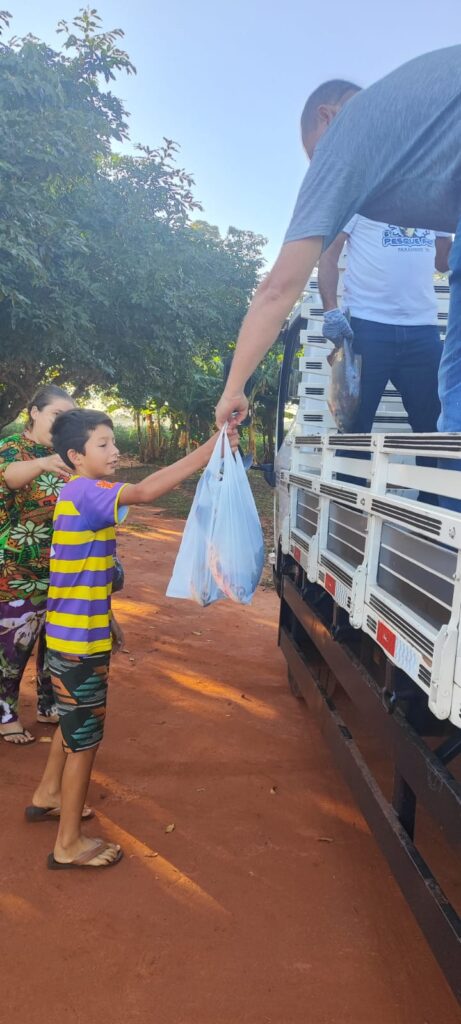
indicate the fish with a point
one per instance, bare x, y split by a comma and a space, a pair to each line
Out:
344, 388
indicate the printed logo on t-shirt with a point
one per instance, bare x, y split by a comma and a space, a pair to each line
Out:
106, 484
408, 238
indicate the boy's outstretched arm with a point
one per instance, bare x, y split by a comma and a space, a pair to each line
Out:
164, 480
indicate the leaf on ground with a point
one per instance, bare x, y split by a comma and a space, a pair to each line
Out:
170, 828
45, 739
131, 659
196, 632
325, 839
151, 854
244, 696
125, 650
274, 789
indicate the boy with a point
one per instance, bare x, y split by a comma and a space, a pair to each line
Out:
80, 625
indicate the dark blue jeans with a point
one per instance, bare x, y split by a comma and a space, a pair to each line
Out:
407, 356
450, 367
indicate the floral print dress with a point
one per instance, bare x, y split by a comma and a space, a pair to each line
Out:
26, 526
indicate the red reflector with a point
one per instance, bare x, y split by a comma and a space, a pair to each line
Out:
386, 638
330, 583
297, 554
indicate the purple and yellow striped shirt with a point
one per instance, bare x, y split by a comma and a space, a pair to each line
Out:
82, 566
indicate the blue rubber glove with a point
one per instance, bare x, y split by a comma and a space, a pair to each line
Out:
336, 326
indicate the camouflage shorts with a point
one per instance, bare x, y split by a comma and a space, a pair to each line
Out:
80, 692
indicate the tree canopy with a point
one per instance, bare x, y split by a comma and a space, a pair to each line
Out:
105, 277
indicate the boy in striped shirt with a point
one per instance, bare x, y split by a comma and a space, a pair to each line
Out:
80, 626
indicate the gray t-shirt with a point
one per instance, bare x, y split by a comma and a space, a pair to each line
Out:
392, 154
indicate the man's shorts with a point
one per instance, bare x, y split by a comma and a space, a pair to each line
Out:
80, 692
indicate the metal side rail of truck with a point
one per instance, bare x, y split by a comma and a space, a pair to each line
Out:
368, 570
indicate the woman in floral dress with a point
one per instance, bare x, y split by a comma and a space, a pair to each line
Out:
31, 476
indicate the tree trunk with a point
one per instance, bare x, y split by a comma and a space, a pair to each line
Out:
158, 431
16, 392
252, 436
187, 434
139, 434
271, 436
150, 446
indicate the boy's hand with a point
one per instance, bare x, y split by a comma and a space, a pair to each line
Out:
118, 638
208, 447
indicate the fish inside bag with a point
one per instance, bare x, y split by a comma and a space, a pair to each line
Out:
343, 395
222, 548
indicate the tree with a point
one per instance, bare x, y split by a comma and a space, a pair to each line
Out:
55, 124
104, 280
213, 281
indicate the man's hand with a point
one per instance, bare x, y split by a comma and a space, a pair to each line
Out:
227, 405
336, 327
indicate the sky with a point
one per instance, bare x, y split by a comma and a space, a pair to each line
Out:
228, 81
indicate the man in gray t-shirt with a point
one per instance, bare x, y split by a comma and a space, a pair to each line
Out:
391, 153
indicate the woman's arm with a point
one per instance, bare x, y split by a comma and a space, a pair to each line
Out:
20, 474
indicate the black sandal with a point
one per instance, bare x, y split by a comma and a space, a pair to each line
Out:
19, 732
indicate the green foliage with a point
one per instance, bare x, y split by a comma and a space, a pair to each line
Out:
104, 280
126, 439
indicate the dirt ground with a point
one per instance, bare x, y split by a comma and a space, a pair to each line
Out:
268, 903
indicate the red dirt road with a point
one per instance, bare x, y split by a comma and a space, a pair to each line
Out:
269, 903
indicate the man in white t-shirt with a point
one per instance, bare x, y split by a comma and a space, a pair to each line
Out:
389, 292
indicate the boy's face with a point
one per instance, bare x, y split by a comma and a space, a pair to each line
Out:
100, 457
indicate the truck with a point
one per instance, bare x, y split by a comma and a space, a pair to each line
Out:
369, 580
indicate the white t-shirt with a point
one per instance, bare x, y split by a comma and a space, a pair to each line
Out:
389, 273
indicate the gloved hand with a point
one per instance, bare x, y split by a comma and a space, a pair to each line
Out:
336, 326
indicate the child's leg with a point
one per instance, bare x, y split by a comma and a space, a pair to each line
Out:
47, 796
48, 792
80, 687
70, 842
46, 707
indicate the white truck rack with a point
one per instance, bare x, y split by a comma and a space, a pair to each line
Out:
369, 579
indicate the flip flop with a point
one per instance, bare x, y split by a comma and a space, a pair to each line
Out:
33, 813
83, 860
18, 732
48, 719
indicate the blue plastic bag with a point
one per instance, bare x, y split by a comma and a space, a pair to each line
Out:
222, 549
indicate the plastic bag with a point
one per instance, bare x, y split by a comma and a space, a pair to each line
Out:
344, 388
222, 549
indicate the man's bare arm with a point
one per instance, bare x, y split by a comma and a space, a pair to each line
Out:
329, 273
271, 304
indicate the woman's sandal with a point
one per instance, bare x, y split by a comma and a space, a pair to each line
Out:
51, 719
33, 813
84, 860
9, 737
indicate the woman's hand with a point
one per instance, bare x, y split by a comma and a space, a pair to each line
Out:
118, 638
54, 464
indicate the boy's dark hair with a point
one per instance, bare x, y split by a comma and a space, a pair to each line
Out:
329, 92
72, 429
45, 396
